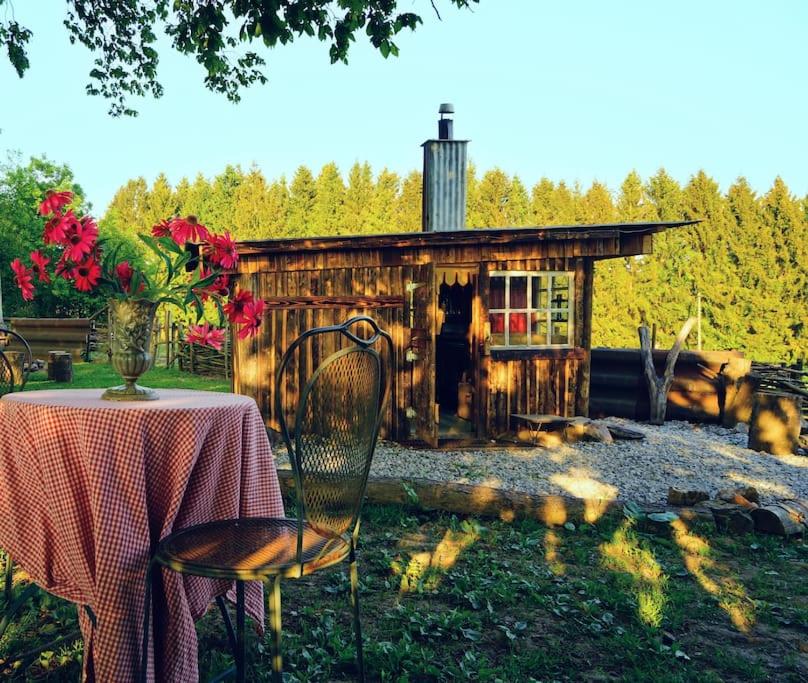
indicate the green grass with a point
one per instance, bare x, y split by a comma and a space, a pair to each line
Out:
446, 598
98, 375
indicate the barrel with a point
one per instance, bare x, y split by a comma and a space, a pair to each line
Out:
52, 356
61, 368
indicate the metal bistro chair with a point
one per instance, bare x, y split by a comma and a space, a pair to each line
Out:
330, 443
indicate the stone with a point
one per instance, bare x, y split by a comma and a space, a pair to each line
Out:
750, 493
686, 498
587, 430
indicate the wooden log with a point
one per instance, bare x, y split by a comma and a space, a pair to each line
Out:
63, 368
775, 423
470, 499
658, 387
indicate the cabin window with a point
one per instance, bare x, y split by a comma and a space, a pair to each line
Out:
530, 309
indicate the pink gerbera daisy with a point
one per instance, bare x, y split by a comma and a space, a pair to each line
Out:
87, 274
187, 230
24, 277
253, 312
222, 251
80, 238
54, 201
205, 335
234, 309
40, 261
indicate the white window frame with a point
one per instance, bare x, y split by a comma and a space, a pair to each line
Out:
570, 309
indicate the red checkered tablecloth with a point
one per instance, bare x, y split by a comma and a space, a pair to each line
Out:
88, 487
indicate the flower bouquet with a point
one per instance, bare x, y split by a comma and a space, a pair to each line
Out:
189, 267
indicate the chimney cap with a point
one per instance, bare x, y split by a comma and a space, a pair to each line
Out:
446, 108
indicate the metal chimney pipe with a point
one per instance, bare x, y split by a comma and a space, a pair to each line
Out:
445, 125
444, 189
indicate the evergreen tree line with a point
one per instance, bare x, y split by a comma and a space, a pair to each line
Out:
747, 258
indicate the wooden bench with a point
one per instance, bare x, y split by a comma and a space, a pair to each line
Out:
536, 422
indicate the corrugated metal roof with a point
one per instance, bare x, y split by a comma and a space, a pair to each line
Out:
469, 236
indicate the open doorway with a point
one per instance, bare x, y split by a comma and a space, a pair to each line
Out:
454, 390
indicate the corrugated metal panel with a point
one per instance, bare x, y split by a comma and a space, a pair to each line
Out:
444, 199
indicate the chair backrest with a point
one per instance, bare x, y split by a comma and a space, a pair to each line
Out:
337, 417
13, 341
6, 375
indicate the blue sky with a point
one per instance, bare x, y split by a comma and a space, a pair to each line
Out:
575, 90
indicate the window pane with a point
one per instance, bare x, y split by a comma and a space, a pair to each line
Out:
497, 296
518, 292
560, 332
518, 323
539, 293
560, 316
560, 297
497, 321
538, 329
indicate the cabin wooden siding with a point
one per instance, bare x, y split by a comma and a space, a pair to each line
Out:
308, 284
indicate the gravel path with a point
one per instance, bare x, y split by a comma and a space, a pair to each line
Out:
680, 454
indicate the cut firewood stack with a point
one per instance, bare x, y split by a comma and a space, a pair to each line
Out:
738, 511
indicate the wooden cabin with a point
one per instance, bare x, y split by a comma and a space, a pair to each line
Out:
487, 323
508, 310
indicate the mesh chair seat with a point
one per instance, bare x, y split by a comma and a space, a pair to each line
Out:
251, 548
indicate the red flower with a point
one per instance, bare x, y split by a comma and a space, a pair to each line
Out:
56, 228
234, 309
124, 271
252, 319
187, 230
86, 274
80, 238
161, 229
64, 267
204, 335
220, 286
222, 251
23, 276
40, 261
54, 201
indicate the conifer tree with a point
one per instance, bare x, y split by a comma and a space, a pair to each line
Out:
357, 208
129, 207
474, 218
383, 202
408, 207
277, 210
494, 196
302, 195
564, 203
596, 206
250, 218
197, 199
160, 202
518, 207
541, 202
329, 203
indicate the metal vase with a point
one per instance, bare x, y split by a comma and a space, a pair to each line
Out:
130, 330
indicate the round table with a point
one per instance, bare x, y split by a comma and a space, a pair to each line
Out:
88, 487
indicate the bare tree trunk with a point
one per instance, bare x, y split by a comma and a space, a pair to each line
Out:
658, 387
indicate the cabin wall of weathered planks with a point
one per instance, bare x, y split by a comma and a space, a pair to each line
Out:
535, 381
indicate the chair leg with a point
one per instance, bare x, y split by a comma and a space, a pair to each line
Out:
241, 643
144, 652
360, 663
274, 604
228, 624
